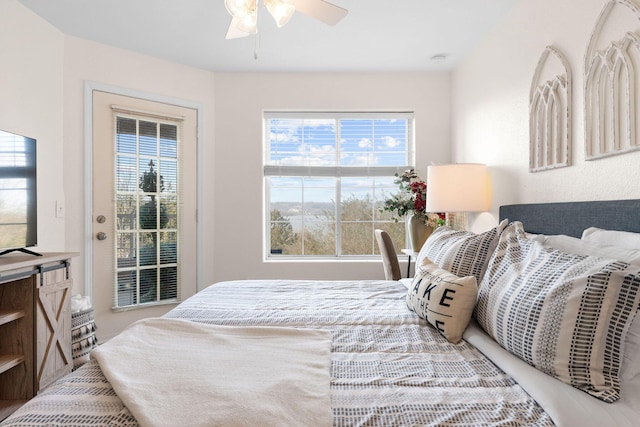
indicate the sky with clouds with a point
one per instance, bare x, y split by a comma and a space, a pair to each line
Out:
329, 142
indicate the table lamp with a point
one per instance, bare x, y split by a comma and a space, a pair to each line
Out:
456, 189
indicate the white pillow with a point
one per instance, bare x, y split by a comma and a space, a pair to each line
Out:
623, 239
443, 299
586, 247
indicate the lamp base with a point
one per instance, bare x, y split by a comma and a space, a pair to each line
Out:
456, 220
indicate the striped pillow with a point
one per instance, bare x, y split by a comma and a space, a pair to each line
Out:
565, 314
462, 253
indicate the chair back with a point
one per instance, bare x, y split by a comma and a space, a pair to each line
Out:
389, 255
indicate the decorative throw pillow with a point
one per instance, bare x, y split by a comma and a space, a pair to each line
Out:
462, 253
565, 314
631, 355
631, 350
443, 299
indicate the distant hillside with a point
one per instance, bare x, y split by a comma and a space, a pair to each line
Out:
295, 209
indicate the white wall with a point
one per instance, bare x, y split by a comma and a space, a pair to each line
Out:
240, 101
31, 75
490, 92
86, 61
43, 97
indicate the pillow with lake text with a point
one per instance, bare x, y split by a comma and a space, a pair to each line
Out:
443, 299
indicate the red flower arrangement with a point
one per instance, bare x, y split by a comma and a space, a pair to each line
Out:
412, 199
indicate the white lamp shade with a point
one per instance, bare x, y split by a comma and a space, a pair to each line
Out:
461, 187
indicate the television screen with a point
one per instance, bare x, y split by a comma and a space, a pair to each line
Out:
18, 193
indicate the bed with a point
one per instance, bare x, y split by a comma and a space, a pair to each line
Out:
386, 364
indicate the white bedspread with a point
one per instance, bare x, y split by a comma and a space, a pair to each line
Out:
173, 372
568, 406
388, 367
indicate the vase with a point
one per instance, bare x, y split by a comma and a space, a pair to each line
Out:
418, 231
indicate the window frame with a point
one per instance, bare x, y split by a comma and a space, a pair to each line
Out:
337, 172
137, 194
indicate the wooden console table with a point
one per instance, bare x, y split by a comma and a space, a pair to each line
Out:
35, 325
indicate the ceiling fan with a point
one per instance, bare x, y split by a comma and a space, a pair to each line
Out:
244, 13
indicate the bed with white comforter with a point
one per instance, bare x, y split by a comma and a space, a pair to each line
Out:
387, 367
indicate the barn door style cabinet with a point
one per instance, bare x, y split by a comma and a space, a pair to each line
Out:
35, 325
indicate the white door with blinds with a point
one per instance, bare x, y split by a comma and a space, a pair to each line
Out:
144, 208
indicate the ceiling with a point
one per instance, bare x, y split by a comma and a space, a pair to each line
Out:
376, 35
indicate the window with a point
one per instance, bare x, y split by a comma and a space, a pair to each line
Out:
146, 196
17, 191
326, 176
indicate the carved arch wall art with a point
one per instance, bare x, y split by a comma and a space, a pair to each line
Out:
550, 112
612, 82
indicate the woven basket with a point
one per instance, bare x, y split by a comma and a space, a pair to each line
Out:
83, 336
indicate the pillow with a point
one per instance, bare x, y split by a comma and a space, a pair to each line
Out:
585, 247
407, 282
623, 239
565, 314
462, 253
631, 349
443, 299
631, 352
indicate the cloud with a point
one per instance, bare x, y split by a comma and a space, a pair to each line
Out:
312, 155
281, 137
390, 141
286, 130
365, 143
364, 159
320, 122
323, 149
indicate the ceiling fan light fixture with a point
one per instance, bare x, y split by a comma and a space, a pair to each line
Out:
244, 17
244, 13
240, 8
281, 10
248, 23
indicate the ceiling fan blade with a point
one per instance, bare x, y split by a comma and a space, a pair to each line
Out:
321, 10
234, 32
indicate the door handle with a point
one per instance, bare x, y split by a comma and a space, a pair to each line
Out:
101, 236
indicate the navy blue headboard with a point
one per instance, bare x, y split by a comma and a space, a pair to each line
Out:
571, 218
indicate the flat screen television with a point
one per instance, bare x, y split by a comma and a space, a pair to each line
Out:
18, 193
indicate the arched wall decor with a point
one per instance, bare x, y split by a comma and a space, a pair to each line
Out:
550, 112
612, 82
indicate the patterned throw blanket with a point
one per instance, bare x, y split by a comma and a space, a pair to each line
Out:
388, 368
